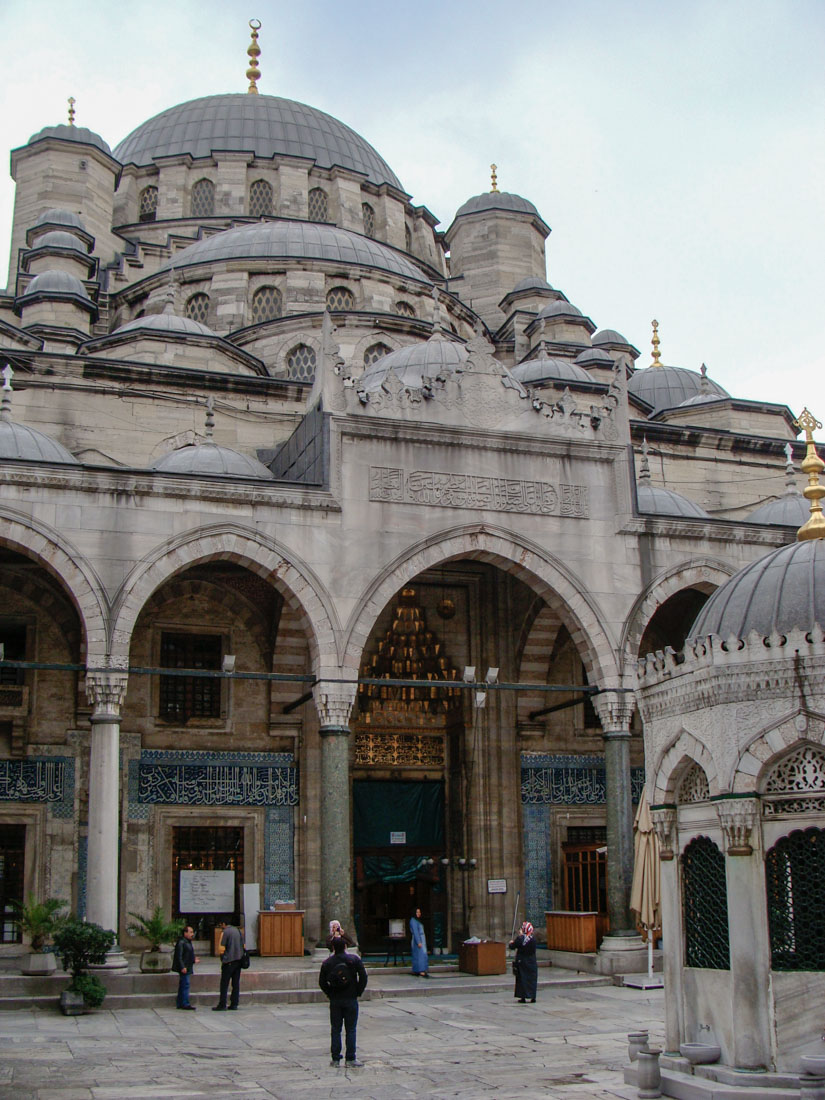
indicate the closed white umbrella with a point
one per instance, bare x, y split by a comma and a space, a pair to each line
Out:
645, 890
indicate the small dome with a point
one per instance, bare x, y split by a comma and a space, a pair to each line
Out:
664, 502
279, 240
701, 399
497, 200
210, 459
594, 357
532, 282
549, 370
560, 309
165, 322
790, 510
56, 216
417, 361
17, 441
55, 283
610, 336
59, 238
71, 133
667, 387
780, 592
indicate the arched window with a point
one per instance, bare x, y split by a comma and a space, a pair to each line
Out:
148, 204
408, 238
203, 199
404, 309
705, 905
317, 210
375, 352
300, 363
369, 219
340, 298
267, 304
260, 199
796, 785
197, 308
694, 786
795, 886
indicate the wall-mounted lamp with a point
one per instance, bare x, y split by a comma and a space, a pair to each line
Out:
469, 674
228, 663
492, 676
479, 699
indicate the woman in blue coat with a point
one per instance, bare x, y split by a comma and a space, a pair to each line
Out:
418, 947
525, 966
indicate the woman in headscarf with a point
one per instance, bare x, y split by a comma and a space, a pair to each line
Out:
336, 932
418, 947
525, 966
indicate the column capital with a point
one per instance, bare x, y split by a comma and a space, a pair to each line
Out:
334, 702
664, 822
738, 817
105, 690
615, 710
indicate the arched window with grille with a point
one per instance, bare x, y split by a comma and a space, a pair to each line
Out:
375, 352
203, 199
795, 887
300, 363
694, 785
197, 308
267, 304
340, 298
404, 309
260, 199
148, 204
317, 206
369, 219
705, 905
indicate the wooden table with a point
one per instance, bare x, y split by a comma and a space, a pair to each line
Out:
568, 931
281, 932
487, 957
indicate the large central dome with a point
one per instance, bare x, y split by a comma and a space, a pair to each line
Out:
265, 125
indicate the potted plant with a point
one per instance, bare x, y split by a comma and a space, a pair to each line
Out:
81, 944
39, 919
157, 930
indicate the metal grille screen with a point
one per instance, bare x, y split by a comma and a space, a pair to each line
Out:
795, 886
705, 904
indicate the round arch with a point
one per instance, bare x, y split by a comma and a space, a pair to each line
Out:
520, 557
70, 568
301, 589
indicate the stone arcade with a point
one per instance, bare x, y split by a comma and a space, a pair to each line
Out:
268, 438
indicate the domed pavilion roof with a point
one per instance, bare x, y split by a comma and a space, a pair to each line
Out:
497, 200
549, 370
265, 125
416, 362
79, 134
667, 387
25, 444
166, 323
789, 510
210, 458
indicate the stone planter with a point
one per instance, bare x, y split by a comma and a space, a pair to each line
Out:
156, 962
649, 1076
39, 963
636, 1041
72, 1004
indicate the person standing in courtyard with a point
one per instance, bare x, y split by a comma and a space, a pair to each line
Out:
343, 979
231, 952
525, 966
418, 947
183, 961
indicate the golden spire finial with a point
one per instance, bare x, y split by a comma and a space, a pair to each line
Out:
494, 177
254, 52
812, 465
72, 102
655, 343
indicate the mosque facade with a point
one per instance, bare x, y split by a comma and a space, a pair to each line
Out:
331, 539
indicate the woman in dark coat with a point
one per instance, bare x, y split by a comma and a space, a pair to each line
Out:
525, 966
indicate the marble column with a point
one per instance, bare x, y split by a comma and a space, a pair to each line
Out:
615, 709
748, 932
105, 690
664, 822
334, 704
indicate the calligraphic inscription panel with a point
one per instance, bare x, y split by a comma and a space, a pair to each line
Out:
32, 780
569, 781
495, 494
411, 749
217, 785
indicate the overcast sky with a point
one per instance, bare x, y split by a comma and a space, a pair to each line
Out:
677, 150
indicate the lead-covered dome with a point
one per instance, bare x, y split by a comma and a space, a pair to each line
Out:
549, 370
783, 591
789, 510
497, 200
164, 323
664, 502
265, 125
414, 363
213, 460
667, 387
80, 134
283, 240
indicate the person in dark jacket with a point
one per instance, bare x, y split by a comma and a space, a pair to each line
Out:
337, 932
525, 966
231, 952
343, 979
183, 961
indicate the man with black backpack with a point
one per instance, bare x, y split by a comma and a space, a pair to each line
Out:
343, 979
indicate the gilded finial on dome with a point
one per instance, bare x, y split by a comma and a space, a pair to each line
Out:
254, 52
72, 102
655, 343
812, 465
5, 407
494, 177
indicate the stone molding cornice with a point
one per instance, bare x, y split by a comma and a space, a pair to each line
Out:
712, 530
738, 817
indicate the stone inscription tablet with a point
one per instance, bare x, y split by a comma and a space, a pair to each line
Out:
497, 494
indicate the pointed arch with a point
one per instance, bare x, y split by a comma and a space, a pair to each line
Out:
674, 761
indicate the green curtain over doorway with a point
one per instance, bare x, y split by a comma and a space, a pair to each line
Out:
383, 807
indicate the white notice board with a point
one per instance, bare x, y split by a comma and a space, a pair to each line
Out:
207, 891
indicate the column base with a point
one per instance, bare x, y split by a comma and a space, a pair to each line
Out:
115, 960
622, 954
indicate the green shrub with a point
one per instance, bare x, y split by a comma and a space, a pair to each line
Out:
91, 988
39, 919
81, 944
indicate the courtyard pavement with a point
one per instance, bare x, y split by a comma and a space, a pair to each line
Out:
571, 1043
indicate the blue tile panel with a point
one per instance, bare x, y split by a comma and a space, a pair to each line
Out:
40, 779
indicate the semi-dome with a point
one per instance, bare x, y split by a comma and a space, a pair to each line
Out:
265, 125
780, 592
497, 200
59, 238
213, 460
80, 134
166, 323
283, 239
417, 361
57, 216
549, 370
55, 283
789, 510
666, 387
665, 502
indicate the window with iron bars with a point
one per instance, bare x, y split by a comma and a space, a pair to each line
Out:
185, 697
